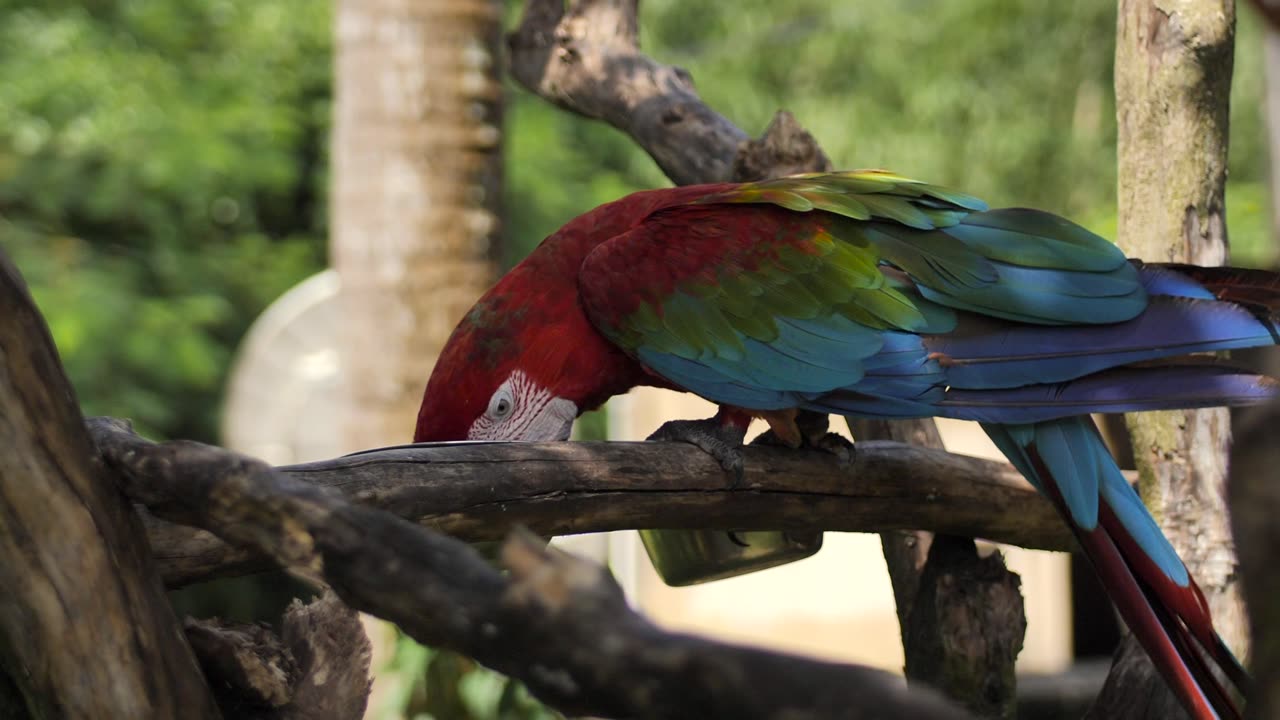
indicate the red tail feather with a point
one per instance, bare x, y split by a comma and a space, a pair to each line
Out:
1171, 622
1184, 615
1249, 287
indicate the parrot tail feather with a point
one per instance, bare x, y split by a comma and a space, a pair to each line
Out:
1188, 603
1182, 383
1067, 460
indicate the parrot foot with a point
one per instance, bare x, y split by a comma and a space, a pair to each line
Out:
832, 443
813, 435
837, 445
720, 440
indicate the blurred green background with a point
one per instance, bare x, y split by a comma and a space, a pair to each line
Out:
163, 162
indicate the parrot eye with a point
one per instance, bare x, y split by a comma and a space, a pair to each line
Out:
540, 417
501, 404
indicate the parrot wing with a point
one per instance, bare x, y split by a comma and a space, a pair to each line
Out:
772, 294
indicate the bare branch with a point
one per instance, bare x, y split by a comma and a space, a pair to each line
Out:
479, 491
558, 623
586, 60
961, 614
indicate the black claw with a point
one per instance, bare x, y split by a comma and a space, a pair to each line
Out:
720, 441
814, 437
837, 445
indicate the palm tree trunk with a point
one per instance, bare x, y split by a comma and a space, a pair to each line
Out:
415, 193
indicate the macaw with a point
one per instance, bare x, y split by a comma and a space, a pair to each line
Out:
866, 294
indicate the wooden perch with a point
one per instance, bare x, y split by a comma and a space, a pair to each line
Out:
558, 623
479, 491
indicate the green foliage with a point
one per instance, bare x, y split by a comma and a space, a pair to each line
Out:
442, 685
161, 181
162, 163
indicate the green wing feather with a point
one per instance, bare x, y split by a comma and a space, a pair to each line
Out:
785, 302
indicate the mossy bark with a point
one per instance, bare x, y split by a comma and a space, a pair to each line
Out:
1173, 82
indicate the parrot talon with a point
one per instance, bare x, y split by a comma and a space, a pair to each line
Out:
827, 442
721, 441
837, 445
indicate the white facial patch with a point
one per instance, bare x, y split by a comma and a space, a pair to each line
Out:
520, 410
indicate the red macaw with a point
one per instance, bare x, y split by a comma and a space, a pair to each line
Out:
866, 294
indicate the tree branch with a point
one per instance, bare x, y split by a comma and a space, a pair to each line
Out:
479, 491
587, 60
961, 615
317, 668
558, 623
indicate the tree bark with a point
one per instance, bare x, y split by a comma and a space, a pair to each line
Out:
961, 615
317, 668
85, 629
1173, 82
1255, 504
480, 491
416, 188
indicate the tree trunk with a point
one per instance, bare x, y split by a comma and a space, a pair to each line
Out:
1173, 82
1255, 504
415, 196
85, 628
962, 616
416, 170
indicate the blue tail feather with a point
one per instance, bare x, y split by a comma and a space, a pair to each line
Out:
987, 353
1083, 471
1124, 389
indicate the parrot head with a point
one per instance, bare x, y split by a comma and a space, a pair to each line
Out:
521, 366
494, 379
526, 360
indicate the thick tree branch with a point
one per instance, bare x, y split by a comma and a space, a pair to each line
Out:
480, 491
961, 614
586, 59
558, 623
85, 629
